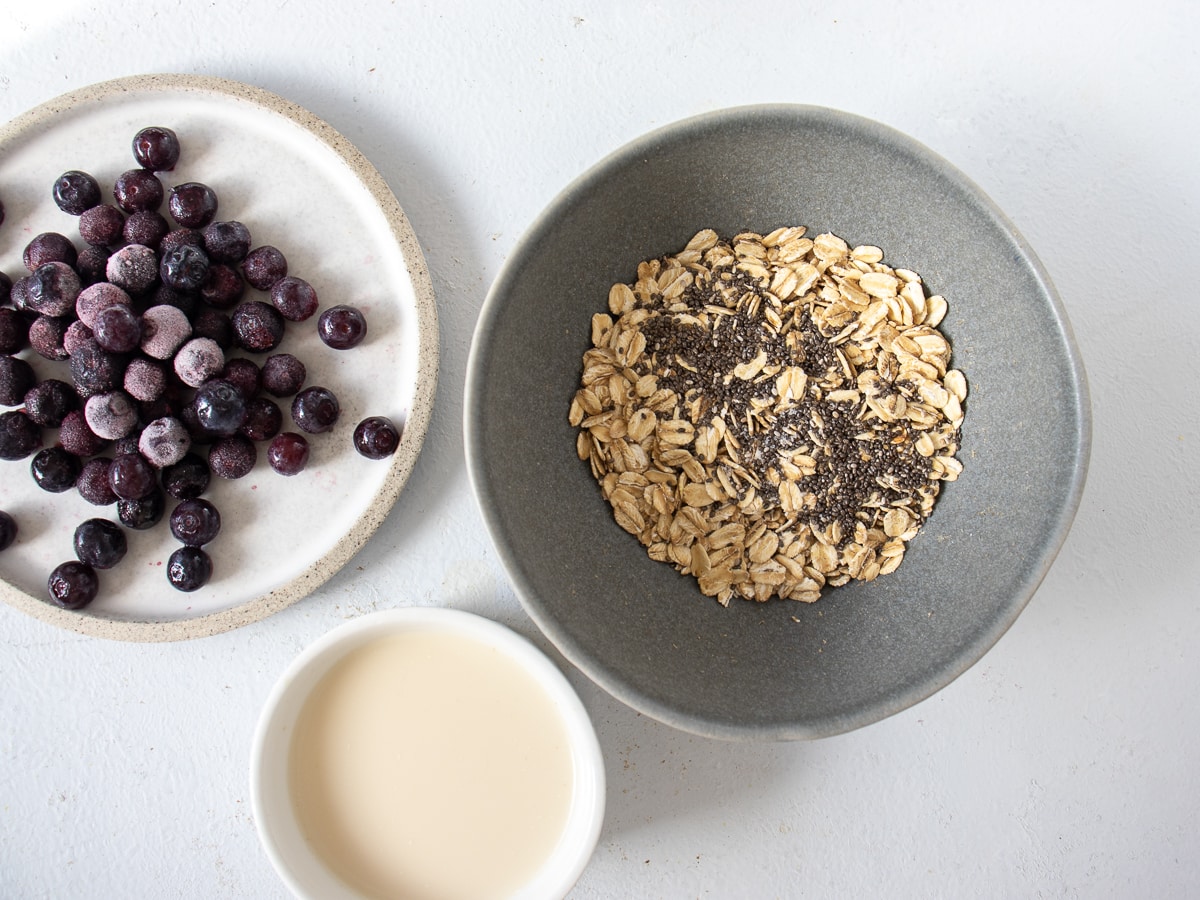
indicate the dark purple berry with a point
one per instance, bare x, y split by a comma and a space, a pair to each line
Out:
214, 325
96, 297
220, 407
49, 246
47, 337
243, 374
232, 457
131, 477
257, 326
76, 192
73, 585
263, 267
195, 522
92, 264
288, 453
92, 483
315, 410
77, 437
55, 470
118, 329
184, 268
100, 543
177, 237
48, 402
8, 530
5, 288
52, 289
146, 227
263, 419
102, 226
376, 437
156, 148
17, 378
295, 298
142, 514
223, 287
189, 569
226, 242
192, 204
145, 380
19, 435
283, 375
138, 189
76, 335
14, 330
188, 478
95, 370
342, 327
133, 268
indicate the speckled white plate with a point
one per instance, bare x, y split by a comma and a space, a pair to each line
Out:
295, 183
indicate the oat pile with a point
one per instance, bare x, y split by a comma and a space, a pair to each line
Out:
771, 414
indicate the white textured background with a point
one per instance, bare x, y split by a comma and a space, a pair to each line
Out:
1064, 764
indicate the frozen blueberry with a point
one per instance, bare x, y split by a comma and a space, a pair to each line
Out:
184, 268
156, 148
257, 326
215, 325
164, 329
76, 192
52, 289
92, 264
244, 374
198, 360
49, 246
95, 370
220, 407
283, 375
263, 420
47, 337
145, 379
192, 204
118, 329
102, 225
226, 242
376, 437
143, 513
111, 415
164, 442
295, 298
73, 585
54, 469
131, 476
96, 297
16, 379
232, 457
146, 227
14, 330
315, 409
100, 543
288, 453
187, 478
195, 522
92, 483
19, 435
189, 569
138, 189
263, 267
133, 268
342, 327
48, 402
223, 287
76, 437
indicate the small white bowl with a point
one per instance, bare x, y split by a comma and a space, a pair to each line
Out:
300, 867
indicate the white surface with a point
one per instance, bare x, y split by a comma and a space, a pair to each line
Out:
1063, 764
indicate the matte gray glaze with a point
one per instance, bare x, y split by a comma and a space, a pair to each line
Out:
644, 632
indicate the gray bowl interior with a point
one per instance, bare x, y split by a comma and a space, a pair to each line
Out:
780, 670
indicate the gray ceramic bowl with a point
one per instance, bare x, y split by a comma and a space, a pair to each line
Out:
865, 651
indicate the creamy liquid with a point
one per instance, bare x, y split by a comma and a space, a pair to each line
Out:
427, 764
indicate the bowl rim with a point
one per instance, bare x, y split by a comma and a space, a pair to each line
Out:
971, 651
585, 818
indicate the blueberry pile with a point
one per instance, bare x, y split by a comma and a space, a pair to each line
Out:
145, 319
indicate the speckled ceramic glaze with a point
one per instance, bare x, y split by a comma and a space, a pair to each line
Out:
299, 185
779, 670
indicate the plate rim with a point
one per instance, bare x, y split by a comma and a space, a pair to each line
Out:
418, 413
973, 650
